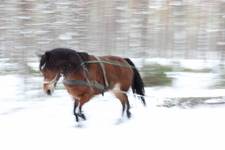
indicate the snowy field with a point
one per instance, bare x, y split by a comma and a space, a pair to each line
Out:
49, 124
31, 120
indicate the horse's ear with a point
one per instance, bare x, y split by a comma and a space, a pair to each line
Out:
47, 56
44, 59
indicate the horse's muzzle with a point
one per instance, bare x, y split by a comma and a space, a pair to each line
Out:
49, 92
48, 88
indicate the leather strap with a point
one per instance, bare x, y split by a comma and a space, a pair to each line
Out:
103, 71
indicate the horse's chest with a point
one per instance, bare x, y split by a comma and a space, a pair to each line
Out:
75, 91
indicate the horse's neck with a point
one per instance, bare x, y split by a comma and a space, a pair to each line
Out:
83, 73
74, 75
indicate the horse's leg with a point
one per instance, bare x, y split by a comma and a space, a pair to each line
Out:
125, 103
128, 109
76, 103
81, 114
85, 98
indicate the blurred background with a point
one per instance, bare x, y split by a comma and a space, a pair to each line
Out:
178, 45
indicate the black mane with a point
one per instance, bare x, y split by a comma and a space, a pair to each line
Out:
62, 58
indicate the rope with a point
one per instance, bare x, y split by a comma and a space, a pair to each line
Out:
53, 81
103, 71
85, 71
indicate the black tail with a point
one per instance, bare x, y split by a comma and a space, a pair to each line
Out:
138, 84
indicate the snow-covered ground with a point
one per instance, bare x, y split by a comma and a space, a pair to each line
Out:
31, 120
49, 124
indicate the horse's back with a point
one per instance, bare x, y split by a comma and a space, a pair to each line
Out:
118, 71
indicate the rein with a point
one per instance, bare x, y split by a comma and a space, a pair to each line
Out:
53, 81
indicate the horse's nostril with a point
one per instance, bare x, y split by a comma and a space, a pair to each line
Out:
49, 92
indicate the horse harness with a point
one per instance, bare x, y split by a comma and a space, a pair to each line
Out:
90, 83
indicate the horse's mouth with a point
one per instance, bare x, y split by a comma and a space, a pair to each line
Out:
49, 92
49, 88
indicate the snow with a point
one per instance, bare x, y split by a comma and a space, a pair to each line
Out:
31, 120
49, 124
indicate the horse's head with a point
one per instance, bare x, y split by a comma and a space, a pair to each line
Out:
50, 72
56, 62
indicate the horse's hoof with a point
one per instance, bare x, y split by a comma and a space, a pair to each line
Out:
128, 115
83, 116
77, 118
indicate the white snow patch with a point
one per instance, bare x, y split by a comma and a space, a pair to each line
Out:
190, 80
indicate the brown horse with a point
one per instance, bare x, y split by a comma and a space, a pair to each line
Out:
87, 75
